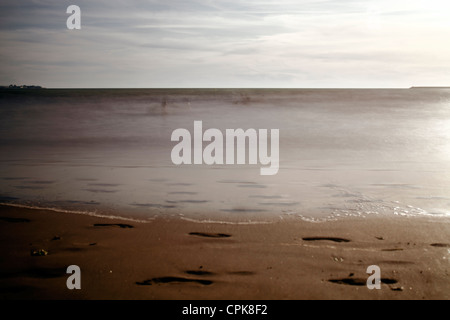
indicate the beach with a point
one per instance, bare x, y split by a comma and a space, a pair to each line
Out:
178, 152
175, 259
88, 179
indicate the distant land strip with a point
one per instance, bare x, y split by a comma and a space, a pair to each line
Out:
430, 88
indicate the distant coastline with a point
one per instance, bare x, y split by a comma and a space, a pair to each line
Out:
430, 88
21, 87
28, 87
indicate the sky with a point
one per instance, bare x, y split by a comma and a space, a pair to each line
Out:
226, 44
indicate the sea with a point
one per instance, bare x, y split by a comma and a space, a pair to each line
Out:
342, 153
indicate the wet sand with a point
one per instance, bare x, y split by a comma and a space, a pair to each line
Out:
178, 259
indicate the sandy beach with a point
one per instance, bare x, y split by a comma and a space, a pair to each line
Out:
177, 259
178, 152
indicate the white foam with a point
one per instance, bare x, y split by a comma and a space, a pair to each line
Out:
226, 222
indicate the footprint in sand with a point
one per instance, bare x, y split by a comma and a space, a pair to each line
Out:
199, 273
120, 225
169, 280
326, 239
440, 245
359, 281
210, 235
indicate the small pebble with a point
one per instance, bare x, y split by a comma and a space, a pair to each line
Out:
39, 253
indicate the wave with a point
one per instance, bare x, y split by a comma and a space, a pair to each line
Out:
209, 221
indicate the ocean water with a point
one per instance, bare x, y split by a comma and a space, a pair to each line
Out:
342, 152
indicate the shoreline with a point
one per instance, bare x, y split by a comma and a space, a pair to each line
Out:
221, 218
175, 259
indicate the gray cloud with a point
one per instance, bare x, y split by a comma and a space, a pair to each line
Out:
224, 43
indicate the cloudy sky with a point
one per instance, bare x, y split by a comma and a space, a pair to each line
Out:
226, 43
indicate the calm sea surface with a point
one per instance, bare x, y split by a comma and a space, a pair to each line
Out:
342, 152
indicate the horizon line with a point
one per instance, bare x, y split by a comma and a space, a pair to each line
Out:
219, 88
